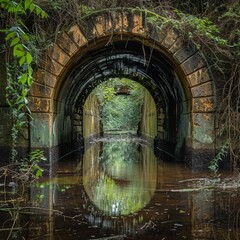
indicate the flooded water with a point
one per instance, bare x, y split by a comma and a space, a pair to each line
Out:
120, 190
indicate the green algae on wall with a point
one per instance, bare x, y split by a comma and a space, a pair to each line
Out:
148, 125
91, 117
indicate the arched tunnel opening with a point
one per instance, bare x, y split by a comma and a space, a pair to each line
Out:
119, 107
128, 58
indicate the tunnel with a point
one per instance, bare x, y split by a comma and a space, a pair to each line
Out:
133, 60
122, 44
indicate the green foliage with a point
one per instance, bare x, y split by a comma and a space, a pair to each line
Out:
30, 165
20, 65
22, 7
120, 152
214, 164
120, 112
16, 95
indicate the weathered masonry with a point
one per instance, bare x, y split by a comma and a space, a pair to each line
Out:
123, 43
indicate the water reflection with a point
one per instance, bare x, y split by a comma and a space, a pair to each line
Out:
120, 191
121, 179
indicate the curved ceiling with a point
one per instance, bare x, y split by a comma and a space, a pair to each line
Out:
136, 61
129, 59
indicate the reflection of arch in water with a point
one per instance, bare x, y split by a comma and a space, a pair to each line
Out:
120, 187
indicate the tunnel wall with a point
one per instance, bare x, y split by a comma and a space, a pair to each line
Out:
189, 64
148, 125
91, 117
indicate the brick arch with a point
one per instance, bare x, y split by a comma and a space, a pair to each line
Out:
189, 63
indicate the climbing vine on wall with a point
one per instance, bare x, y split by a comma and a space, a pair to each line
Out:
19, 62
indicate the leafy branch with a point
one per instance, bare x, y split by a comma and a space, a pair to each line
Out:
20, 70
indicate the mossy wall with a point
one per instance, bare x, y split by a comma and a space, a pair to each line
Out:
91, 117
148, 124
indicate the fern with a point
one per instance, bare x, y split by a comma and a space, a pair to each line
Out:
214, 164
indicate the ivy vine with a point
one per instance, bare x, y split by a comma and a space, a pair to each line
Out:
19, 63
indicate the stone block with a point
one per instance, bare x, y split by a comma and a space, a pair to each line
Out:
127, 21
5, 126
183, 53
198, 77
203, 90
99, 26
44, 77
170, 38
108, 23
77, 36
157, 33
66, 43
193, 63
39, 90
117, 21
41, 105
50, 65
176, 45
58, 55
3, 80
203, 130
206, 104
88, 27
199, 159
138, 23
41, 130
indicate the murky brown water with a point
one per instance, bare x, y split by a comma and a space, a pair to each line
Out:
122, 191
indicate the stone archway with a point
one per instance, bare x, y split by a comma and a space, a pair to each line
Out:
101, 29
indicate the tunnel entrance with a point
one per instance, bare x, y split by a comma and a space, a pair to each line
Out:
119, 106
124, 44
126, 59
